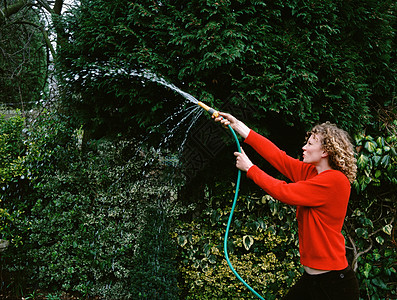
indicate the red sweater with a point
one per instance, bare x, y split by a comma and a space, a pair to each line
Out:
321, 201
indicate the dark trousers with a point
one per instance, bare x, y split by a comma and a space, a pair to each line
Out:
333, 285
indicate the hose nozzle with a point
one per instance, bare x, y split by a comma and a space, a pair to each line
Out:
210, 110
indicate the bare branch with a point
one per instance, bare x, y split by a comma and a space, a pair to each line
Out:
381, 229
357, 254
354, 248
45, 35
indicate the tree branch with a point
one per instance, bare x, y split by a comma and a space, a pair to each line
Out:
45, 35
357, 254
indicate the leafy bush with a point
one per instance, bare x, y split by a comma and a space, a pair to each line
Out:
296, 63
370, 226
11, 148
262, 247
155, 273
12, 174
83, 220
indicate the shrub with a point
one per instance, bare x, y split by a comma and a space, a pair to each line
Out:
262, 247
12, 174
296, 63
370, 226
83, 217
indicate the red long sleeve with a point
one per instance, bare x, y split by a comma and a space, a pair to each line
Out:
321, 201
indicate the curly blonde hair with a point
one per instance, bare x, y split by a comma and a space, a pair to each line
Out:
339, 147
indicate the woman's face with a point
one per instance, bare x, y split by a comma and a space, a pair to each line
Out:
313, 151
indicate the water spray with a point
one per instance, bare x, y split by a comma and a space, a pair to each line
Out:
215, 114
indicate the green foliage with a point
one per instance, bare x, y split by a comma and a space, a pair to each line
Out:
90, 222
11, 148
82, 215
376, 161
294, 62
23, 60
156, 276
36, 149
377, 274
262, 247
12, 171
370, 226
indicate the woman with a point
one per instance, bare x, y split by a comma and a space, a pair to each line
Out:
320, 188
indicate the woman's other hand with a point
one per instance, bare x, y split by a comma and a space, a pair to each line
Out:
242, 161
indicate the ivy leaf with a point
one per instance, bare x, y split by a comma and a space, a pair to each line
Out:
370, 146
385, 160
378, 282
362, 161
380, 141
248, 241
380, 240
367, 222
182, 240
362, 232
376, 159
387, 229
377, 256
367, 269
388, 252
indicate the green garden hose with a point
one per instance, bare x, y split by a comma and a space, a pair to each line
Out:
216, 114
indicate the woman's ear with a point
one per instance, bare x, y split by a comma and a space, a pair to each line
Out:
324, 154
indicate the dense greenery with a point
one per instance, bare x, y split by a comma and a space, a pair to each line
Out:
23, 59
293, 62
89, 208
11, 170
262, 246
86, 221
77, 220
370, 227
